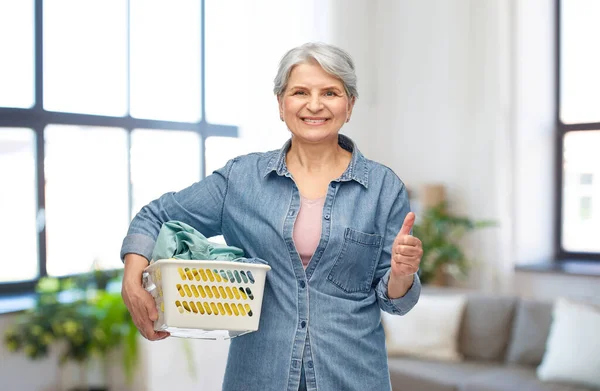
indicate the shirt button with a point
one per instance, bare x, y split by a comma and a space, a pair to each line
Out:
291, 212
302, 284
326, 217
303, 324
310, 364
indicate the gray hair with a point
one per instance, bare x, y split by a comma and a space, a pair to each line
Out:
332, 59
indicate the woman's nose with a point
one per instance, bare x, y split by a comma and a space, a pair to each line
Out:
315, 104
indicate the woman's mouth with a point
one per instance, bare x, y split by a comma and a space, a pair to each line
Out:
314, 121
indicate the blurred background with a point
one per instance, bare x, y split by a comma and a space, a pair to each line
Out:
492, 106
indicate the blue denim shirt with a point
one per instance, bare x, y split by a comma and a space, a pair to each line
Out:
326, 318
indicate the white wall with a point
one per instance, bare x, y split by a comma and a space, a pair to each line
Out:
440, 110
534, 130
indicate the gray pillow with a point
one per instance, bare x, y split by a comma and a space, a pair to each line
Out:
486, 327
530, 332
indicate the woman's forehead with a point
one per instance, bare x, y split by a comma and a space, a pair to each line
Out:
312, 75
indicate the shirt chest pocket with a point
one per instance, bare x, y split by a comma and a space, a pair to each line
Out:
354, 268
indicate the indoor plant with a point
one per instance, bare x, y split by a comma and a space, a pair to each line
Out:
440, 232
85, 316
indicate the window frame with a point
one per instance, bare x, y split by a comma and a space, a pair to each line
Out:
562, 129
36, 118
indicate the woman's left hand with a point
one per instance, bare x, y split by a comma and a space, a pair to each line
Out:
407, 251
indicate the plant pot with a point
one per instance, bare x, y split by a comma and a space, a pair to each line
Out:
89, 375
440, 278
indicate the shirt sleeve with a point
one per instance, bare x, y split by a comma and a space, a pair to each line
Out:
401, 305
399, 209
199, 205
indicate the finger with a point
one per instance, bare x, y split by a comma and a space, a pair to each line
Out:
160, 335
409, 221
409, 240
406, 269
150, 305
410, 251
151, 316
148, 329
157, 336
405, 259
141, 316
143, 323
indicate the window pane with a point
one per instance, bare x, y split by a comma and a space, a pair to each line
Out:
580, 61
581, 192
16, 46
219, 150
86, 197
162, 161
18, 233
165, 60
227, 89
85, 56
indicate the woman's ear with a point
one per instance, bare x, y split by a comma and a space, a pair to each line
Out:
280, 104
350, 107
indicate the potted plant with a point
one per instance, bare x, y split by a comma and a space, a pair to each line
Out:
83, 317
440, 232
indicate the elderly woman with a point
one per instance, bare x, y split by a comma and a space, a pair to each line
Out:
333, 225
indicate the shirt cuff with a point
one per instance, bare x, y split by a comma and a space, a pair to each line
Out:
137, 244
401, 305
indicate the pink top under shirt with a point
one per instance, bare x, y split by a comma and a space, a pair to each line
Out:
307, 228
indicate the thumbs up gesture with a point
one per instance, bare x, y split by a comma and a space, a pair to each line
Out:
407, 251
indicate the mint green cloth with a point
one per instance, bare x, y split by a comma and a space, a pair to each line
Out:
181, 241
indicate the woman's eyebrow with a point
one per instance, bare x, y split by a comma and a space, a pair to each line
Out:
332, 87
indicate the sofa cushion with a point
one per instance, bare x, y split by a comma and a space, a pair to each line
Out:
513, 378
418, 333
412, 374
530, 332
486, 327
573, 347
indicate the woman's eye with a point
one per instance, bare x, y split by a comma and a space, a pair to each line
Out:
330, 93
299, 93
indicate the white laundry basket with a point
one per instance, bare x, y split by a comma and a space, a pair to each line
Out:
206, 299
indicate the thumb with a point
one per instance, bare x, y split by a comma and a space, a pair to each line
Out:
409, 221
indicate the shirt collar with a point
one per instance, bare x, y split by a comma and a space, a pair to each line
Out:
357, 169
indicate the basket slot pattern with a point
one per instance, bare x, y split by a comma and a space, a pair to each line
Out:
213, 291
214, 275
213, 308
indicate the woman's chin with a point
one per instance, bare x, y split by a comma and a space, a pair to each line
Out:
315, 135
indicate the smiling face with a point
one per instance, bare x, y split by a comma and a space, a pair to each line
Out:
314, 104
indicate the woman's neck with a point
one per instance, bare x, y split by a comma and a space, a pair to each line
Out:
317, 157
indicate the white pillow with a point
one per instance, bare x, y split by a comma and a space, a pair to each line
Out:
429, 330
573, 347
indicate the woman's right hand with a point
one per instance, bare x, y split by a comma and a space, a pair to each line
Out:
139, 302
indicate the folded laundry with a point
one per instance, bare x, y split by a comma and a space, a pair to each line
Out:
180, 241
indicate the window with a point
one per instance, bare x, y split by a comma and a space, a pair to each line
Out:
18, 205
87, 210
578, 118
100, 103
17, 48
162, 161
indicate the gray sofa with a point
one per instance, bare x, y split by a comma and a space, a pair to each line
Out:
502, 340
